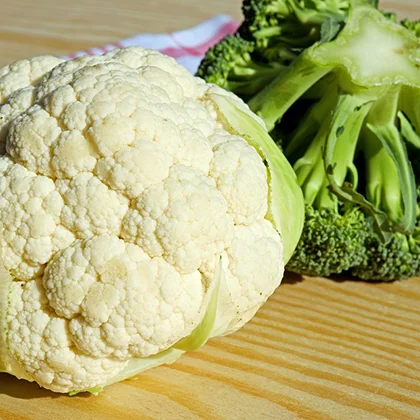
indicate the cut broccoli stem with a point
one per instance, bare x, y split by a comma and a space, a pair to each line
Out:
397, 198
310, 170
249, 77
311, 124
343, 136
323, 155
408, 132
276, 98
348, 51
383, 185
367, 41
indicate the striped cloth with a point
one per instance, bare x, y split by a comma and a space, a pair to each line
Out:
187, 46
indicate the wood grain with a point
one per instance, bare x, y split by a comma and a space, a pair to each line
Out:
59, 27
319, 349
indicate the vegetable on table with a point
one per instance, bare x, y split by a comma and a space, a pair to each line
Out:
337, 83
142, 212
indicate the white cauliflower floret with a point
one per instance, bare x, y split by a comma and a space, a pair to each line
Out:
121, 187
142, 58
254, 267
101, 110
71, 154
30, 138
17, 103
30, 215
184, 219
90, 207
24, 73
41, 341
17, 91
238, 169
135, 168
119, 301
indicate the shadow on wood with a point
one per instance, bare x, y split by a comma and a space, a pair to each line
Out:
21, 389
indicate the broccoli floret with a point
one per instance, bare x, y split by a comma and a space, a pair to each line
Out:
282, 29
345, 111
231, 65
330, 242
397, 259
390, 16
412, 26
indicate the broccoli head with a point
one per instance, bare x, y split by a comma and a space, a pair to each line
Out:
397, 259
231, 65
331, 242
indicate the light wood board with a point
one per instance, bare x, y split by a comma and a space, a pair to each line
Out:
319, 349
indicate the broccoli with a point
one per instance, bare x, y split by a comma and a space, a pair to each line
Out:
412, 26
344, 108
283, 29
272, 35
331, 241
230, 64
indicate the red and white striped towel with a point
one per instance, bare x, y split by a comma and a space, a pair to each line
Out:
187, 46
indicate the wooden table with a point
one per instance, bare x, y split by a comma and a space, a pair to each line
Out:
319, 349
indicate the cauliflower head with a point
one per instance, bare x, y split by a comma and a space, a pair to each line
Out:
134, 218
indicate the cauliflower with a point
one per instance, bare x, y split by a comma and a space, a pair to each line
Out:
137, 217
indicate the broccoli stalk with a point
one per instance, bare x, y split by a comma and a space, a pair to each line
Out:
391, 186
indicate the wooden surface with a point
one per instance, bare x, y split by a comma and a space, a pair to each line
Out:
59, 27
319, 349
